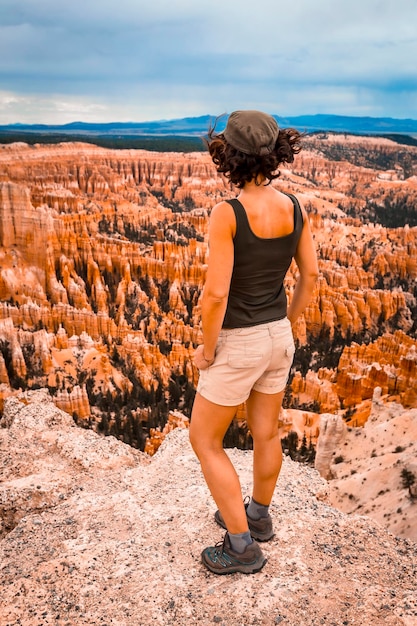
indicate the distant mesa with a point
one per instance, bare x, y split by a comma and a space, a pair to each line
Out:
197, 126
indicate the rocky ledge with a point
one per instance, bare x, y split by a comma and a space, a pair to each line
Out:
96, 533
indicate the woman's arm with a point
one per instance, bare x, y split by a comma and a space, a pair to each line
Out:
306, 259
216, 288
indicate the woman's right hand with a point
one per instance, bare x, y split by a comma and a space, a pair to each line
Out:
200, 360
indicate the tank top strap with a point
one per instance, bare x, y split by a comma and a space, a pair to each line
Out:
240, 213
297, 209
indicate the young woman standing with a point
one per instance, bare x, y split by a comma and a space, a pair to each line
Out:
248, 344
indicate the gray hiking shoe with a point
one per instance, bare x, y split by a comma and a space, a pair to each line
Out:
221, 559
260, 529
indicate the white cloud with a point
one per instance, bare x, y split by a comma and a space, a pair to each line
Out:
52, 109
141, 60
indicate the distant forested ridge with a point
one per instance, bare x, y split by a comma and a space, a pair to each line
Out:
153, 144
186, 134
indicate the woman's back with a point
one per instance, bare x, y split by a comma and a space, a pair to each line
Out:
264, 241
270, 213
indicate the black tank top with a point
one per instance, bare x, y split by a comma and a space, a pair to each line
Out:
257, 293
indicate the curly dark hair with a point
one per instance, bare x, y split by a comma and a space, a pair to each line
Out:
242, 168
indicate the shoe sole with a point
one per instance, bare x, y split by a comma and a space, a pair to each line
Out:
254, 533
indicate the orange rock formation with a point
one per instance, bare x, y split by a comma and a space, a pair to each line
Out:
102, 261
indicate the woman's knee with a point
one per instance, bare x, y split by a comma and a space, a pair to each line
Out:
202, 444
265, 436
198, 440
194, 440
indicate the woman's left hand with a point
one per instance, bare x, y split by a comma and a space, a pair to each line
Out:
200, 360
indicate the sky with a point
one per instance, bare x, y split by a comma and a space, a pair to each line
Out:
139, 60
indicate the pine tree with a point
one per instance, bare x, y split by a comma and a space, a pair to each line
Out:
408, 480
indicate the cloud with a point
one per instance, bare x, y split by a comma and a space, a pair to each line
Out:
51, 109
143, 60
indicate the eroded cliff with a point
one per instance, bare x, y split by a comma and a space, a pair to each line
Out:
366, 467
103, 256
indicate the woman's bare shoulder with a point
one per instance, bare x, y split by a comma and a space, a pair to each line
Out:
222, 208
222, 217
222, 211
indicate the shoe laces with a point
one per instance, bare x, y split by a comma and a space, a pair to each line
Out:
219, 555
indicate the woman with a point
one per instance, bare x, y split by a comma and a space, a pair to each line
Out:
248, 345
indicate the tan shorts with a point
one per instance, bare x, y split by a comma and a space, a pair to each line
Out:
257, 357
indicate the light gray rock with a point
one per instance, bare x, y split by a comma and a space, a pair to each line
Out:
332, 432
115, 539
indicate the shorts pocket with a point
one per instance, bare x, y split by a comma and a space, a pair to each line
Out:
290, 351
243, 361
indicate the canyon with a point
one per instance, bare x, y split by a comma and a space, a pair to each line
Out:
103, 255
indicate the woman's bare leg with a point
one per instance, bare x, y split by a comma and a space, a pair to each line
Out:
209, 423
262, 415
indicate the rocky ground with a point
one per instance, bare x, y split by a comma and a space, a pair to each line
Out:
364, 466
367, 465
96, 533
